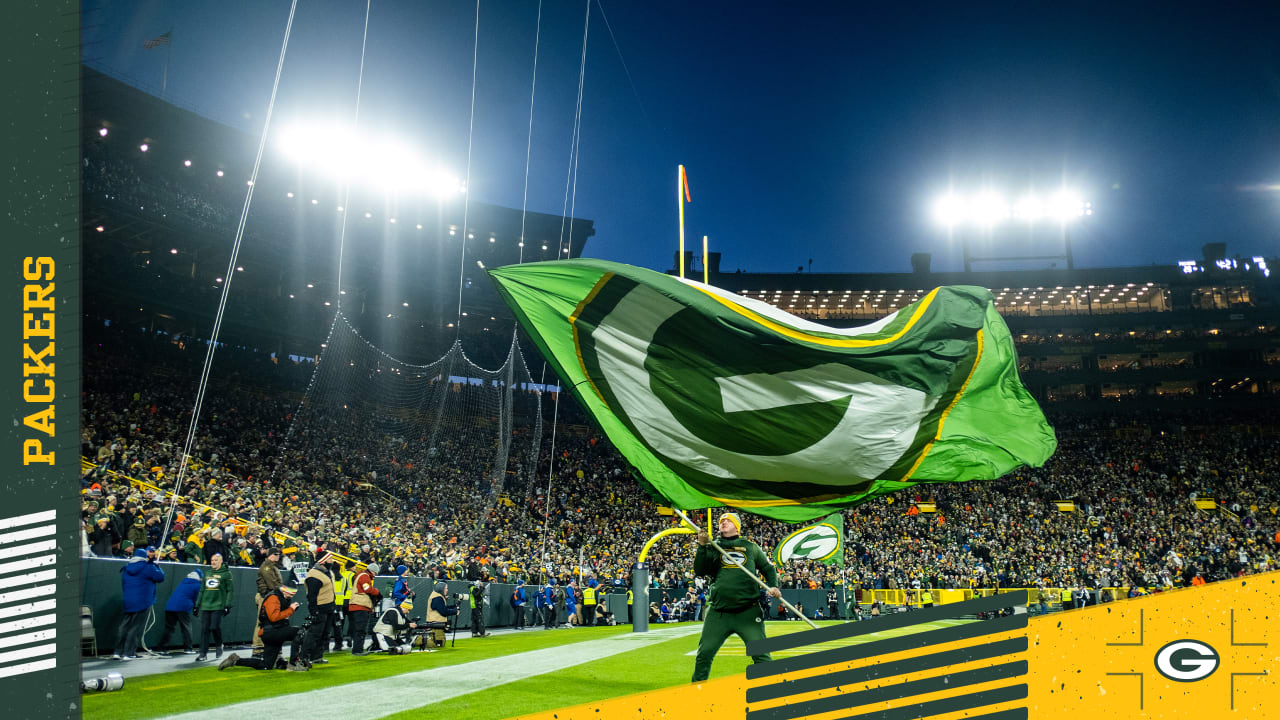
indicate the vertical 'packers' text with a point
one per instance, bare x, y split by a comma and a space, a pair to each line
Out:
37, 358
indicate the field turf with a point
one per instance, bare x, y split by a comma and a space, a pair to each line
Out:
654, 666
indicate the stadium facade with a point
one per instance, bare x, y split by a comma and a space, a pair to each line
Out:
159, 226
1202, 328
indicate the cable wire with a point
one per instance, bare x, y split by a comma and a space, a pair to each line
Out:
226, 286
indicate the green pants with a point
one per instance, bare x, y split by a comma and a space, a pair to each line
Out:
718, 626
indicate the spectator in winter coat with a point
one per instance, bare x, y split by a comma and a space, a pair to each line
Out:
214, 603
179, 609
400, 591
138, 580
103, 538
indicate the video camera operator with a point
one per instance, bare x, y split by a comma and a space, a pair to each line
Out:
438, 612
479, 599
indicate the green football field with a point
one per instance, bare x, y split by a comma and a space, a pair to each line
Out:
495, 677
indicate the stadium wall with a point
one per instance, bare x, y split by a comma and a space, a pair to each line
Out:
103, 593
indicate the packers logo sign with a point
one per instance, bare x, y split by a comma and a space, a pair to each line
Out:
733, 416
818, 542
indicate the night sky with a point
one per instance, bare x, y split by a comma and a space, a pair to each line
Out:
823, 132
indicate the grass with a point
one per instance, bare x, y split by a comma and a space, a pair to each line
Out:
662, 665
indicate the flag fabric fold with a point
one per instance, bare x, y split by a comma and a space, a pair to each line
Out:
718, 399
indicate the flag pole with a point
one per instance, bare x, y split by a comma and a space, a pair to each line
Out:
724, 557
168, 53
706, 274
680, 201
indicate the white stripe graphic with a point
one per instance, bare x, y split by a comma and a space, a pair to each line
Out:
28, 549
27, 609
29, 578
31, 519
38, 636
28, 564
27, 624
27, 534
30, 667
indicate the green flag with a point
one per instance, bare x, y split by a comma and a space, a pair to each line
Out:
722, 400
822, 542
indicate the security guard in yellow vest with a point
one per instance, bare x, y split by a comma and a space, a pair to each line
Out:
438, 612
341, 599
630, 602
926, 599
589, 602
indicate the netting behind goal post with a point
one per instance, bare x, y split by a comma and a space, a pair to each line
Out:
449, 435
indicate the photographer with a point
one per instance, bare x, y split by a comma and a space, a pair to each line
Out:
439, 612
479, 599
320, 605
389, 631
275, 631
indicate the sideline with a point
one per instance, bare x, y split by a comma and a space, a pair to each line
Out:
386, 696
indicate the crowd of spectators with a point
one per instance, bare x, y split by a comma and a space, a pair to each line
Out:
460, 508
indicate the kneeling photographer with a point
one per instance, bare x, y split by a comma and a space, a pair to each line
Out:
275, 630
392, 632
438, 613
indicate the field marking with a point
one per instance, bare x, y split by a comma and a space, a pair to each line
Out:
410, 690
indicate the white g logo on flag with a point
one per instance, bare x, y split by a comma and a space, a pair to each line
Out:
1187, 660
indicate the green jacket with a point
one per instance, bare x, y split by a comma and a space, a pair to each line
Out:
731, 589
217, 590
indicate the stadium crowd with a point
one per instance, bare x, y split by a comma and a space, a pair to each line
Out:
1132, 479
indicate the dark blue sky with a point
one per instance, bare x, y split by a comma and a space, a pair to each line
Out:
822, 132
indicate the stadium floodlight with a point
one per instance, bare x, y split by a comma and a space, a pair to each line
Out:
405, 304
173, 251
100, 229
220, 173
144, 147
947, 210
186, 163
102, 132
1029, 208
288, 194
989, 208
383, 162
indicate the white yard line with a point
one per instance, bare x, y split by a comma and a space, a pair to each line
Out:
386, 696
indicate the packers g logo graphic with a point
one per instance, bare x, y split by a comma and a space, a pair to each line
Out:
818, 542
703, 396
1187, 660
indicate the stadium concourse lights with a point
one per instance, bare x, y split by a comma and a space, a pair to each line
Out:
988, 208
382, 162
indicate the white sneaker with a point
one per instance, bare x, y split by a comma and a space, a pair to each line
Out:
116, 657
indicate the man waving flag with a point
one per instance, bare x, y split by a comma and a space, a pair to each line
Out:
718, 399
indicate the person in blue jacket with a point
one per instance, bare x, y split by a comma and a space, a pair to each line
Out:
400, 591
548, 595
571, 604
518, 601
138, 580
179, 609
